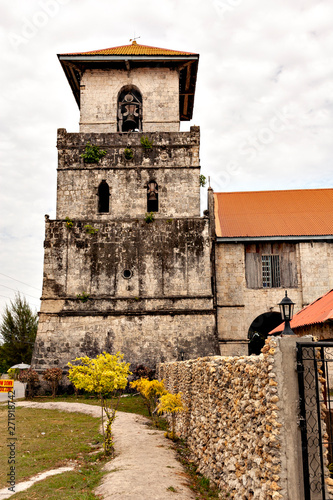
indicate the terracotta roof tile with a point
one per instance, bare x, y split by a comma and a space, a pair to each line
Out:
319, 311
274, 213
132, 49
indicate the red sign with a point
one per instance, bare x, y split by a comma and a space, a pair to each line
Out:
6, 385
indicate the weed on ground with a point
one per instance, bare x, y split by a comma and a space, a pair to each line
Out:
203, 488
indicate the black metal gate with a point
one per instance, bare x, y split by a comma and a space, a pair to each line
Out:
315, 377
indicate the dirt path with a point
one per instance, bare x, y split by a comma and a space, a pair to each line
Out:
145, 466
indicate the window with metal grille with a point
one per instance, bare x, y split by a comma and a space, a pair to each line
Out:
270, 271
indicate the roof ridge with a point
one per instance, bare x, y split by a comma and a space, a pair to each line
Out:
134, 45
274, 191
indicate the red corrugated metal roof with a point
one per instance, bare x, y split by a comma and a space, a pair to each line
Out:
132, 49
319, 311
301, 212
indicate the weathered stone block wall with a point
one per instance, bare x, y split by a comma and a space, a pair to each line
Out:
241, 423
99, 91
236, 302
166, 259
164, 307
173, 162
316, 261
144, 338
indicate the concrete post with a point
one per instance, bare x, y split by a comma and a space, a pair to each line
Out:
286, 377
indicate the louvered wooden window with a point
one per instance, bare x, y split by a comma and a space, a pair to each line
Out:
270, 265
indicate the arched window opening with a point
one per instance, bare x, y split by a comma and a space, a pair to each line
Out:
129, 110
103, 197
152, 196
259, 329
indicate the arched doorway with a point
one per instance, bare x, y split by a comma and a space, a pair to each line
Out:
259, 329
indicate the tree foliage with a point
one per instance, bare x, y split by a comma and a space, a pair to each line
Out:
53, 377
29, 377
106, 375
150, 390
18, 330
172, 404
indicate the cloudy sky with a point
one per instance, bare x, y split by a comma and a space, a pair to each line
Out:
263, 100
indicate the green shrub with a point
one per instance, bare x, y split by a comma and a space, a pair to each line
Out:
149, 217
90, 229
69, 223
84, 296
92, 153
202, 180
128, 153
146, 143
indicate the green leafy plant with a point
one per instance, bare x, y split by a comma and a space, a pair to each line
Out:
128, 153
149, 217
202, 180
53, 377
106, 375
92, 153
169, 221
146, 143
90, 229
84, 296
69, 223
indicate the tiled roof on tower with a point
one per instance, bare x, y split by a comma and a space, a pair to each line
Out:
134, 49
134, 55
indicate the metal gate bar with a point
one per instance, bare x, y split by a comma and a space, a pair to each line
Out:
311, 398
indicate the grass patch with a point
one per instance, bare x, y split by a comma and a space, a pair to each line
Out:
129, 404
203, 488
47, 439
67, 486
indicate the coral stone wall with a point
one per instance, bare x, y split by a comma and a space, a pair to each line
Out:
235, 425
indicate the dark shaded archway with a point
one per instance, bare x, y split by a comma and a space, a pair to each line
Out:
103, 197
259, 329
129, 112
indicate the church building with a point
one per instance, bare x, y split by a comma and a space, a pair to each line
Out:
128, 262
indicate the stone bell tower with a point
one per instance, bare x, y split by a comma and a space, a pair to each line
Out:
127, 263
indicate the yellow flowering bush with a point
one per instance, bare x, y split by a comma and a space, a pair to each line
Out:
150, 390
172, 404
105, 376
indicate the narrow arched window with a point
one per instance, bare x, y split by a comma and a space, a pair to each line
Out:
103, 197
129, 110
152, 196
